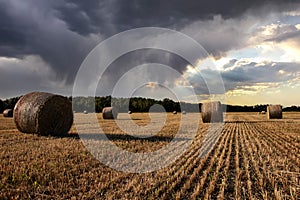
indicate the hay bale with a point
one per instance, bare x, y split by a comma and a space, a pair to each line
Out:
129, 112
8, 113
109, 113
274, 112
263, 112
184, 112
43, 113
212, 112
174, 112
85, 112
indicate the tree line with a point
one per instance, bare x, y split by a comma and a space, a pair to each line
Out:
8, 103
140, 104
134, 104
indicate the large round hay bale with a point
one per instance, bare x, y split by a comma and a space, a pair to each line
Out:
174, 112
129, 112
43, 113
274, 112
212, 112
184, 112
85, 112
109, 113
8, 113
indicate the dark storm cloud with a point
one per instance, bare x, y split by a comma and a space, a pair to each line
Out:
293, 35
97, 16
136, 58
12, 40
89, 16
169, 12
62, 32
244, 76
23, 22
33, 28
230, 63
263, 73
194, 18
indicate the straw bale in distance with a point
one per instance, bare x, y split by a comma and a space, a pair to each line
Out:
109, 113
43, 113
8, 113
174, 112
211, 112
274, 112
184, 112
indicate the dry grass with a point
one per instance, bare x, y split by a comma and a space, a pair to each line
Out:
254, 159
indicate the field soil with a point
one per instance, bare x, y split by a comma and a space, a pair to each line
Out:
253, 158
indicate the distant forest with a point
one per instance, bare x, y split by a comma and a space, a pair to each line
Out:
139, 104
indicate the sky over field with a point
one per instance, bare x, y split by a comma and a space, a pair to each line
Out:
254, 45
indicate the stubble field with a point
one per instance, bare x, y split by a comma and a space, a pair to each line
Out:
253, 158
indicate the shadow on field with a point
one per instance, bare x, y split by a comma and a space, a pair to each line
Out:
260, 121
70, 135
245, 121
126, 119
124, 137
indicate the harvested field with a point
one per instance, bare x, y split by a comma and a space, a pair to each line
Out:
254, 158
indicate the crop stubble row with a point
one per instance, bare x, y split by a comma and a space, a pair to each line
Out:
251, 160
235, 169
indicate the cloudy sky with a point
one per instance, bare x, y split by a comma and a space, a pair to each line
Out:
254, 47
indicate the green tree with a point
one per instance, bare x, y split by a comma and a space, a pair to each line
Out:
168, 104
1, 106
10, 103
